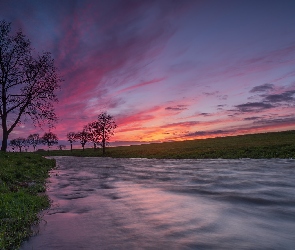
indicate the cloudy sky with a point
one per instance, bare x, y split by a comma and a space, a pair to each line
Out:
166, 69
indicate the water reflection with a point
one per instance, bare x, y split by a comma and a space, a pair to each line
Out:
104, 203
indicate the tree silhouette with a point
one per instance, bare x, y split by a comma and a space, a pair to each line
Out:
94, 130
19, 143
27, 83
107, 126
71, 138
12, 145
83, 137
34, 140
61, 147
49, 139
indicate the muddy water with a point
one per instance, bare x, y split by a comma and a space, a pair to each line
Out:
104, 203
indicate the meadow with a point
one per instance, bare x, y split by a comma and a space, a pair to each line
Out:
263, 145
22, 187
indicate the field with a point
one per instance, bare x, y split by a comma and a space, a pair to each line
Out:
22, 181
264, 145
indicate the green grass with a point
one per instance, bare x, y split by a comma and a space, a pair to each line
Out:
264, 145
22, 178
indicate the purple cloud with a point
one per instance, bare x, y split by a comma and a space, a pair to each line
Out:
262, 88
253, 107
287, 96
177, 107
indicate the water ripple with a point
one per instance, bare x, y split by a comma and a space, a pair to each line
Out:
105, 203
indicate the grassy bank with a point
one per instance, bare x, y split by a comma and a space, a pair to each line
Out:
22, 179
264, 145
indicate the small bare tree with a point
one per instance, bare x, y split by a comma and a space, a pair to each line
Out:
34, 140
61, 147
12, 146
83, 137
107, 126
27, 83
49, 139
19, 142
71, 138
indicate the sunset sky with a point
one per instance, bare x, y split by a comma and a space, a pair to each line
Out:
166, 69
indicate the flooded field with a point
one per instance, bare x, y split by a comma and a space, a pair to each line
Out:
105, 203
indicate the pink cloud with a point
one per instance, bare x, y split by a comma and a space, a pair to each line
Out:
142, 84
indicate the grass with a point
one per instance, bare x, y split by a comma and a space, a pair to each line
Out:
264, 145
22, 180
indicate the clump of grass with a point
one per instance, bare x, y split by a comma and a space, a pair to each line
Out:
22, 178
264, 145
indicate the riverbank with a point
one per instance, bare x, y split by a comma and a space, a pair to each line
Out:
256, 146
22, 182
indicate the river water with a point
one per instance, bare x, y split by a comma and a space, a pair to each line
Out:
105, 203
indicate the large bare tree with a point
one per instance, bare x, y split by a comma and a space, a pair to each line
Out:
27, 83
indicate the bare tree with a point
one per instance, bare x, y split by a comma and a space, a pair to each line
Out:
61, 147
49, 139
27, 145
95, 135
71, 138
83, 137
19, 142
107, 126
12, 146
34, 140
27, 83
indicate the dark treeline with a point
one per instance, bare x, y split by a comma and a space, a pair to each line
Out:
34, 140
97, 132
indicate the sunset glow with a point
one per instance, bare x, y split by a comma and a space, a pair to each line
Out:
166, 70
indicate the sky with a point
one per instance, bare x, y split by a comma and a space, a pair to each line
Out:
166, 70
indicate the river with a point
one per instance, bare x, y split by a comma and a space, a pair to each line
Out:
106, 203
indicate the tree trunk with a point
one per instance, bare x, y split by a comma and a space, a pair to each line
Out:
4, 141
103, 146
4, 135
103, 140
71, 147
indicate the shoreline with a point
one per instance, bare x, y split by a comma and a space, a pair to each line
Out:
23, 184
